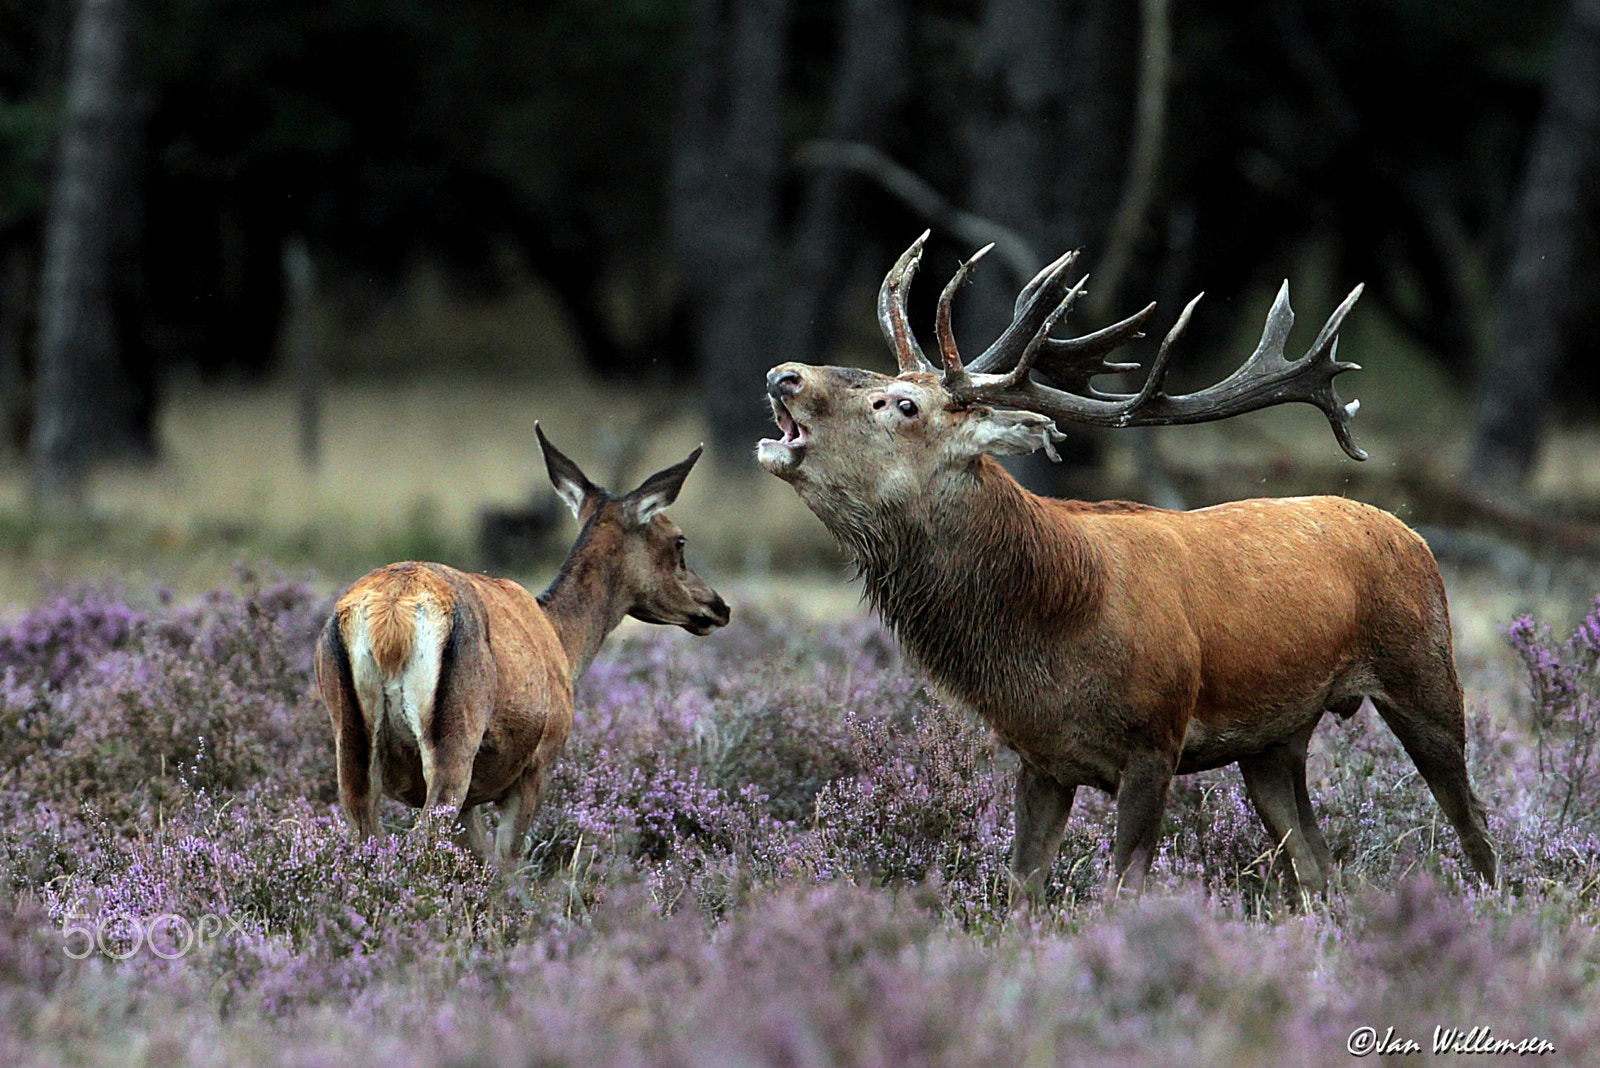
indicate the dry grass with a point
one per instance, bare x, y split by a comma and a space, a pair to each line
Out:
429, 418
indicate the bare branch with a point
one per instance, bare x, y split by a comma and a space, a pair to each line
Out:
923, 199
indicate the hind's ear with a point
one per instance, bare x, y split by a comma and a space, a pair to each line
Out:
659, 490
581, 495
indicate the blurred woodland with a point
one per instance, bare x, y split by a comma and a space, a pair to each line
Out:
705, 187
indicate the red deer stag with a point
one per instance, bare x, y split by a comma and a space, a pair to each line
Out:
453, 689
1114, 645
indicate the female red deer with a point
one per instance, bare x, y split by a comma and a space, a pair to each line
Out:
453, 689
1113, 645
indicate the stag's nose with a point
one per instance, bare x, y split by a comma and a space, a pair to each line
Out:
783, 382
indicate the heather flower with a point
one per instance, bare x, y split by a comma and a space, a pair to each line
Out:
1565, 684
766, 847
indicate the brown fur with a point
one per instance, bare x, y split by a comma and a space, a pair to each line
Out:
1113, 645
451, 689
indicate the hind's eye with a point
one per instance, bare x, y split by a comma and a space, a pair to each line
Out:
908, 408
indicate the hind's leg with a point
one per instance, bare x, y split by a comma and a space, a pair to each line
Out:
356, 760
473, 836
447, 771
462, 701
360, 777
516, 813
1424, 709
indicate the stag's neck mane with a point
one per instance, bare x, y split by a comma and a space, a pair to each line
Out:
974, 574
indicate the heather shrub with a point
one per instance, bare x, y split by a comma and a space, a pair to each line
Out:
928, 802
788, 745
1214, 838
122, 710
1565, 685
47, 646
766, 847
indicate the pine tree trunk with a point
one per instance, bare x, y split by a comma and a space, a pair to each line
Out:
728, 162
1516, 388
86, 409
868, 84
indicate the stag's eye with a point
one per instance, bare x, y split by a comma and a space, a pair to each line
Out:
681, 542
908, 408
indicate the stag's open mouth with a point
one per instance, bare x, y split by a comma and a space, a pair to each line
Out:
787, 451
794, 435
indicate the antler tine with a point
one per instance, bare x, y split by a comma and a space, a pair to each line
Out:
892, 309
955, 375
1046, 272
1265, 379
1072, 363
1038, 299
972, 387
1158, 369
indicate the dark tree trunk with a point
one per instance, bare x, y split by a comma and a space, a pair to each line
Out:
18, 275
299, 327
729, 158
869, 83
1048, 147
1516, 388
1048, 138
87, 408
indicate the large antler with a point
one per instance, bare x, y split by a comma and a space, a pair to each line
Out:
892, 309
1004, 374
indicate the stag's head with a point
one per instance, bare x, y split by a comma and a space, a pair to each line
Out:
641, 549
858, 436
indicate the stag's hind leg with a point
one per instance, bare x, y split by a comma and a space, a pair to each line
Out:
1424, 709
1275, 781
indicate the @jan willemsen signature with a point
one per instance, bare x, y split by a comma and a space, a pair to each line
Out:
1467, 1041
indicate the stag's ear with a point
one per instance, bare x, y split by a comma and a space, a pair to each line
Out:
659, 490
580, 494
1008, 433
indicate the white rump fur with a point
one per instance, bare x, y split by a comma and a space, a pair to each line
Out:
405, 700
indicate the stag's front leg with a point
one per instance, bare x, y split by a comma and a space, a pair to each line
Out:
1141, 803
1043, 805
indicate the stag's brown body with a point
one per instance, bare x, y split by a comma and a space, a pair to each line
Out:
1114, 645
453, 689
